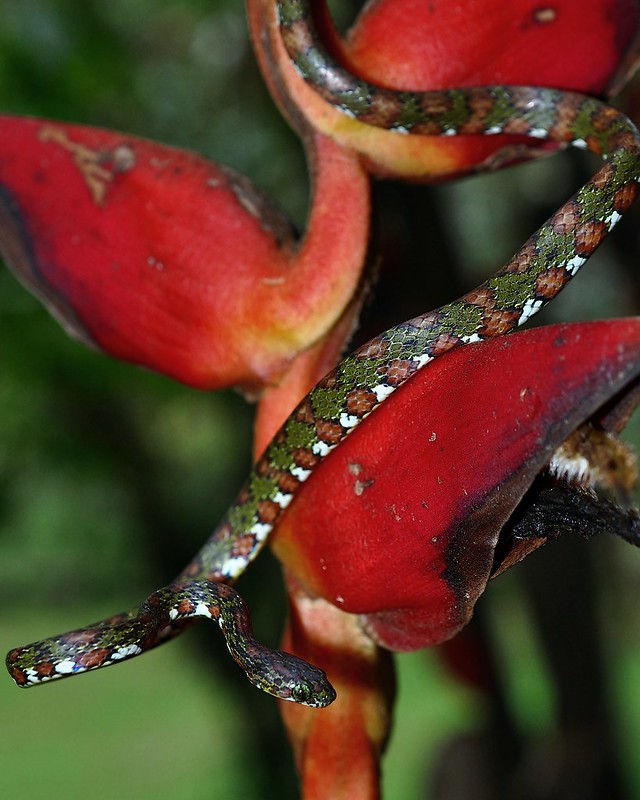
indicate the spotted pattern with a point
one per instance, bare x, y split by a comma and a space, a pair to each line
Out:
158, 618
367, 377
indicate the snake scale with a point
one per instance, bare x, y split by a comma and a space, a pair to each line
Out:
364, 379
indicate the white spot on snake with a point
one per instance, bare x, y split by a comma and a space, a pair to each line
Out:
400, 129
473, 337
613, 219
261, 530
449, 131
282, 499
530, 308
233, 567
382, 391
173, 613
202, 610
348, 420
300, 474
124, 652
345, 109
574, 264
66, 667
538, 133
493, 130
580, 143
422, 359
321, 449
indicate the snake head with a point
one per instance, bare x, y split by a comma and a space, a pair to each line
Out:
291, 678
317, 694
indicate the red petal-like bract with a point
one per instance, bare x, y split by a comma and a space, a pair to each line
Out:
399, 523
410, 44
126, 238
163, 258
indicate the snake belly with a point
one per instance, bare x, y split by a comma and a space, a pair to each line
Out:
366, 378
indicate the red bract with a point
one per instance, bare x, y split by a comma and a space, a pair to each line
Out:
562, 43
399, 525
160, 257
401, 521
415, 45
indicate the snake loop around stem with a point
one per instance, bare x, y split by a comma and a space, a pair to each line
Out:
363, 380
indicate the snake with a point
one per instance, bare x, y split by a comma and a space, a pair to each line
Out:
281, 674
367, 377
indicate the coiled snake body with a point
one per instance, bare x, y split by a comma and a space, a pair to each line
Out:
364, 379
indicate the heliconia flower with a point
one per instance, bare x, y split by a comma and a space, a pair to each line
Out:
399, 529
418, 46
164, 259
160, 257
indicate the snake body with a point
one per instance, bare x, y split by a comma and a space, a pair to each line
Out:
367, 377
128, 635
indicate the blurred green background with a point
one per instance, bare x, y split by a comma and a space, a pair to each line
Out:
111, 477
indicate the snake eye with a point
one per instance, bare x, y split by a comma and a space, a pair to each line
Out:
301, 692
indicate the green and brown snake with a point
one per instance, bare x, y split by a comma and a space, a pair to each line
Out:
370, 375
